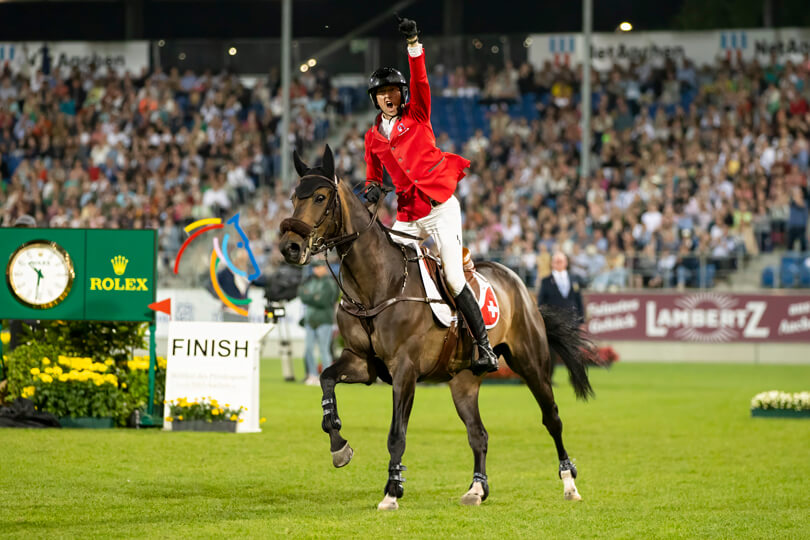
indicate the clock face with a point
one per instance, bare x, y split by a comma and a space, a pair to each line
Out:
40, 274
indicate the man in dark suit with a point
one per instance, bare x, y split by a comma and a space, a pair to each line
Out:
561, 289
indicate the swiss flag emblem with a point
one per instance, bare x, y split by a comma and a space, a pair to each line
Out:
489, 307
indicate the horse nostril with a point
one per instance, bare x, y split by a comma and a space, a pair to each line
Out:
293, 250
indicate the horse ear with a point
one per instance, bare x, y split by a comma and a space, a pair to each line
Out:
328, 162
300, 166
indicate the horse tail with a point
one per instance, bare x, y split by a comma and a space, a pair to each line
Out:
572, 345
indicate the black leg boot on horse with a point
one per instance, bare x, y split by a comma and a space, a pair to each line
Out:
486, 360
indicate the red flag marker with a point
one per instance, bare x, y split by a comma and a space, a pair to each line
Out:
164, 306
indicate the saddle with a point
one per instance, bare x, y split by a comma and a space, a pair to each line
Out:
434, 267
457, 349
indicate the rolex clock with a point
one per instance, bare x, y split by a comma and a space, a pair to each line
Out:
40, 274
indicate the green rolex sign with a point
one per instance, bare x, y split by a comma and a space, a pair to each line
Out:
78, 274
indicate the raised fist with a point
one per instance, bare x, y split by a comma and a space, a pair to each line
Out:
407, 27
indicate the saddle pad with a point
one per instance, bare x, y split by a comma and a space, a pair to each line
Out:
487, 300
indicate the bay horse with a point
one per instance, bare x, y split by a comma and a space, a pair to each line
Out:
390, 333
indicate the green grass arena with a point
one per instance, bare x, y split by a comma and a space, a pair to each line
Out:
665, 450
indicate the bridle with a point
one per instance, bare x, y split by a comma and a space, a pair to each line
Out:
314, 245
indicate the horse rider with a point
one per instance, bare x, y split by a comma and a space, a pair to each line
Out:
425, 178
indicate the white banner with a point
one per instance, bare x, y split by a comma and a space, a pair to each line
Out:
706, 47
220, 360
122, 56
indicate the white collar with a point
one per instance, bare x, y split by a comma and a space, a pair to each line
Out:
559, 276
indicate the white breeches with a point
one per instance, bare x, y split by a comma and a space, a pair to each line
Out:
443, 224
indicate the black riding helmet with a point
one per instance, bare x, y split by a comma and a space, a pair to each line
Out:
385, 77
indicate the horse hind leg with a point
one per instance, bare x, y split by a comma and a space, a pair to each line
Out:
538, 379
464, 387
350, 368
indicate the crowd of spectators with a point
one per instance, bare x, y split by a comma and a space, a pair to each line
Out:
95, 148
695, 169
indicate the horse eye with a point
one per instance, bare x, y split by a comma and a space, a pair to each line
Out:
319, 199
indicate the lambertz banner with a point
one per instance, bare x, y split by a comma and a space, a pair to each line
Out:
707, 317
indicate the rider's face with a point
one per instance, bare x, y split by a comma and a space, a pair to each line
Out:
389, 98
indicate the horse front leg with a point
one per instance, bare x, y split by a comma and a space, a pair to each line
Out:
404, 383
350, 368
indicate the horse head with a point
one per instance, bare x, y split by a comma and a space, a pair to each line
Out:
316, 211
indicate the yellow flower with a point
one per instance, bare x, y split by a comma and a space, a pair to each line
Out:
168, 418
241, 420
263, 420
63, 378
57, 370
48, 370
109, 362
180, 417
44, 377
28, 391
98, 382
64, 360
234, 418
46, 361
123, 385
5, 337
228, 405
215, 412
34, 371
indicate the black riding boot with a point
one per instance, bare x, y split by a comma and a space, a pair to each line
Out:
486, 359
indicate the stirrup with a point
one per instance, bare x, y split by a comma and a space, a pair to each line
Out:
484, 363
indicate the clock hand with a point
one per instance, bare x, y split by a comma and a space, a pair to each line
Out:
37, 270
36, 293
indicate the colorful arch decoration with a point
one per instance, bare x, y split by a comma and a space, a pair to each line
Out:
221, 253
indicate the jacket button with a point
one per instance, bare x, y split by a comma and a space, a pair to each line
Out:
416, 181
400, 159
407, 170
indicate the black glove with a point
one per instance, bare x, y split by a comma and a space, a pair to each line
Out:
407, 27
373, 192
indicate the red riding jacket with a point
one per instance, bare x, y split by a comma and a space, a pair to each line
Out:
420, 170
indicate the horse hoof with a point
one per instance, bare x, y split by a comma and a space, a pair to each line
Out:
569, 488
474, 496
389, 502
471, 499
342, 457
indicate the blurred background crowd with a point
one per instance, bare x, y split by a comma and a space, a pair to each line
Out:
698, 169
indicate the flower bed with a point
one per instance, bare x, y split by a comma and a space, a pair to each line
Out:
84, 369
203, 414
78, 389
781, 404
